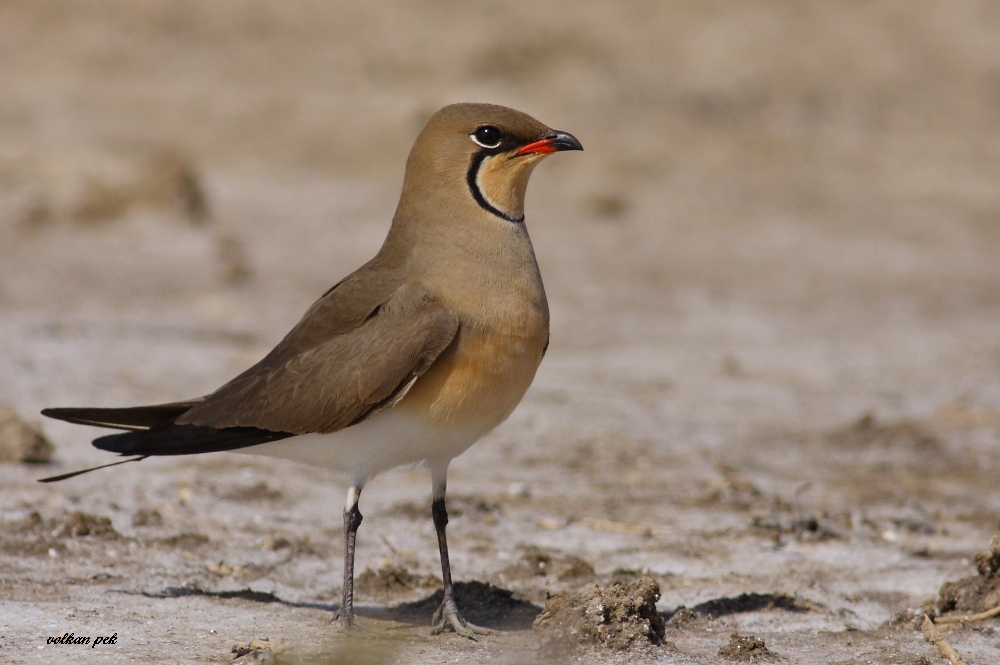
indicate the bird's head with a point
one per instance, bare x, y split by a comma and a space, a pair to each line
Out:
479, 157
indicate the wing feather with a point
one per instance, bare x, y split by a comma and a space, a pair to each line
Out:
324, 386
137, 418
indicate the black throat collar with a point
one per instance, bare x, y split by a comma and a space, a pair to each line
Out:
472, 177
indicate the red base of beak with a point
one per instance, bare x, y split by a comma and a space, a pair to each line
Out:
542, 147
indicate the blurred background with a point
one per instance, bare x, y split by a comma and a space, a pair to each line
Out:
785, 223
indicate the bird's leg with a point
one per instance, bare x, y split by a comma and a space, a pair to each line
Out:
352, 520
447, 615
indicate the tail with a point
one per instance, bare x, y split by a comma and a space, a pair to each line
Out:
151, 430
71, 474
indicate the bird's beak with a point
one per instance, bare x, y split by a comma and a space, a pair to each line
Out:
551, 142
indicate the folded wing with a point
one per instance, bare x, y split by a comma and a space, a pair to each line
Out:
349, 358
340, 381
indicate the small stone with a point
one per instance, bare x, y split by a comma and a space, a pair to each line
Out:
21, 441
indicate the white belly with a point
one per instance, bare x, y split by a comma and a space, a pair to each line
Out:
390, 439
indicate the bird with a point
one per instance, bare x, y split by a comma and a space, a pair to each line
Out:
410, 359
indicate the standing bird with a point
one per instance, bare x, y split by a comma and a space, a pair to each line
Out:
410, 359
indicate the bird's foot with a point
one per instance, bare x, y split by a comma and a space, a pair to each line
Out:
447, 616
345, 621
348, 623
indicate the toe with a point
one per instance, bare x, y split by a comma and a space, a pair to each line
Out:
461, 627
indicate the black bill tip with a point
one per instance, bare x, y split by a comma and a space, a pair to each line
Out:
565, 141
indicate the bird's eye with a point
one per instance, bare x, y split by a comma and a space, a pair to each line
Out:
487, 136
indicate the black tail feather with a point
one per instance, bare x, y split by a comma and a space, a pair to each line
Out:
186, 440
73, 474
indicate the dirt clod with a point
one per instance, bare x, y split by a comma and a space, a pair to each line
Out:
295, 547
35, 535
21, 441
79, 524
147, 517
977, 593
684, 618
619, 617
988, 561
390, 580
747, 649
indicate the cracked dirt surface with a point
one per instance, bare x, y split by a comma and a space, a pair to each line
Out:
773, 386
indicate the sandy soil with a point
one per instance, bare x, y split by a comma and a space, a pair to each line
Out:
774, 379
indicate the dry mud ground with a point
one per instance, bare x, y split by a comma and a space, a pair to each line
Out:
774, 276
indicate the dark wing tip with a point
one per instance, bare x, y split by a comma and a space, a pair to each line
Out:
128, 418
